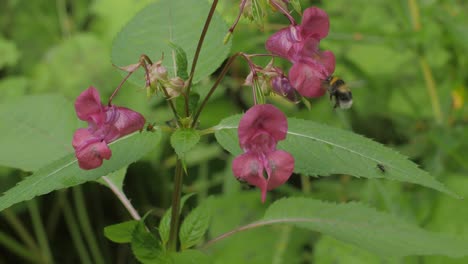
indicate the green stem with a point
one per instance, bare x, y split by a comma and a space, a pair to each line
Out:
305, 182
19, 228
215, 85
72, 225
40, 231
123, 198
173, 231
431, 89
85, 225
18, 249
197, 52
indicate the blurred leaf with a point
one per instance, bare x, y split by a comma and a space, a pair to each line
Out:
121, 232
190, 257
183, 140
194, 226
64, 173
181, 61
268, 244
330, 251
165, 224
176, 21
146, 247
36, 130
365, 227
10, 53
73, 65
13, 87
450, 216
112, 15
323, 150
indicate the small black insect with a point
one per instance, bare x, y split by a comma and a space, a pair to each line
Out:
381, 167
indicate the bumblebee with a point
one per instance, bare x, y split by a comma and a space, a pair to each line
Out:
339, 92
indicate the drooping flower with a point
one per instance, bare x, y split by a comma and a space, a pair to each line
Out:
300, 45
262, 165
105, 124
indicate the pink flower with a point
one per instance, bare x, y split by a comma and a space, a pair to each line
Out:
260, 129
299, 44
106, 124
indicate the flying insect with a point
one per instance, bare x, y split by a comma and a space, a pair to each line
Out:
339, 92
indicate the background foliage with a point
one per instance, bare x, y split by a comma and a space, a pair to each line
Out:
405, 61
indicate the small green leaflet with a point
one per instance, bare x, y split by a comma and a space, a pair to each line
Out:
64, 173
184, 140
377, 232
165, 223
121, 232
181, 61
323, 150
194, 226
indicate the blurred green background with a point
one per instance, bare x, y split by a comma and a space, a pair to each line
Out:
405, 61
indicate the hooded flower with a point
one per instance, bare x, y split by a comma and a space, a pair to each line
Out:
105, 124
299, 44
262, 165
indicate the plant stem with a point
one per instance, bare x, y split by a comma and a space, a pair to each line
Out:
40, 231
431, 89
72, 225
213, 88
18, 249
173, 231
426, 70
85, 225
123, 198
258, 224
197, 52
20, 229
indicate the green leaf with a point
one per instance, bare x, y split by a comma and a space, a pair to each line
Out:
146, 247
64, 173
183, 140
194, 227
165, 224
323, 150
10, 53
176, 21
377, 232
121, 232
33, 132
181, 61
114, 179
190, 257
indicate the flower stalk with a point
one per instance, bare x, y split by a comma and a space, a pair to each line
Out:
175, 216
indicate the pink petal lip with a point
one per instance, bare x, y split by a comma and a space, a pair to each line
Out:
262, 117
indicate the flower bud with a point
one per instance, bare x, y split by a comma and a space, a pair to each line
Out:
281, 85
157, 72
175, 86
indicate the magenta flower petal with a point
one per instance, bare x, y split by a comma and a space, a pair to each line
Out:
106, 124
88, 106
259, 131
280, 168
281, 43
91, 156
315, 23
248, 168
128, 121
262, 118
328, 60
307, 80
